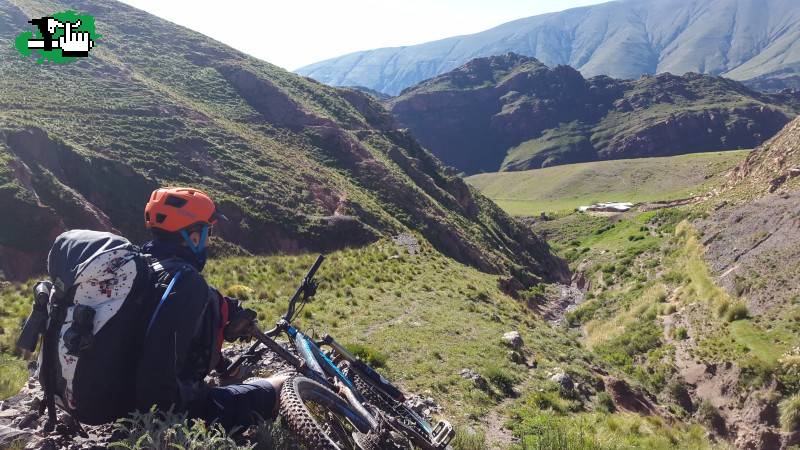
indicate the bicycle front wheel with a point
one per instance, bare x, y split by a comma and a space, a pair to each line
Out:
319, 417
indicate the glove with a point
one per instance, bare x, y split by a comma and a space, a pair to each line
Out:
240, 374
310, 288
240, 325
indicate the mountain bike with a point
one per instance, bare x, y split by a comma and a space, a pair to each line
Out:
336, 401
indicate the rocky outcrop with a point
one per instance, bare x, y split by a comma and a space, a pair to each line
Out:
626, 398
512, 112
773, 164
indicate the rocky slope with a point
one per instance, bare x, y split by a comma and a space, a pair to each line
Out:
753, 40
774, 164
296, 165
749, 245
512, 112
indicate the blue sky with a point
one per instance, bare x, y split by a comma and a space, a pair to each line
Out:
295, 33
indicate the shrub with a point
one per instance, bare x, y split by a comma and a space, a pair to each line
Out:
681, 333
722, 308
550, 399
13, 374
501, 379
736, 311
368, 354
465, 440
555, 434
604, 402
674, 277
157, 430
790, 413
788, 372
240, 291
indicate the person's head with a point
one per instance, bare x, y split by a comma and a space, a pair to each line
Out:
181, 215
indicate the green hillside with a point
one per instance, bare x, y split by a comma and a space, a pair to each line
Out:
566, 187
297, 166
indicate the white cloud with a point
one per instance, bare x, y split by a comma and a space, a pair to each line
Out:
293, 34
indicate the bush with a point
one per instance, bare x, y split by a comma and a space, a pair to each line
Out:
240, 291
790, 413
788, 372
674, 277
465, 440
550, 399
157, 430
681, 333
368, 354
13, 374
736, 311
554, 434
501, 379
604, 402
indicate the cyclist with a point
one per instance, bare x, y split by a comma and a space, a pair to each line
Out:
184, 337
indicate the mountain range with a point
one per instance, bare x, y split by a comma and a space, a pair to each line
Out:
296, 165
512, 112
757, 41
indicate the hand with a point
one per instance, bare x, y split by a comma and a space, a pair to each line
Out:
75, 41
238, 375
311, 288
240, 325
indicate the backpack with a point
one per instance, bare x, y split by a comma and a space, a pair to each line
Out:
102, 298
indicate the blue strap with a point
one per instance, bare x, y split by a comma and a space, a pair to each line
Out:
196, 249
163, 299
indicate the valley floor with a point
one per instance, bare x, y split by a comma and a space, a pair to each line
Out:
564, 188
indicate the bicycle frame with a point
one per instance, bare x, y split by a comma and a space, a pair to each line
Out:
316, 365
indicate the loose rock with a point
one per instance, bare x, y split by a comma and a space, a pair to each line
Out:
513, 340
480, 382
564, 380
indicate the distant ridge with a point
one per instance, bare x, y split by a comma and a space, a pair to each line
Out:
757, 41
511, 112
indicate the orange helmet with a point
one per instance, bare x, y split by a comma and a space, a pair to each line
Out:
174, 209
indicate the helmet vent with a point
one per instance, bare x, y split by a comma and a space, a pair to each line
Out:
176, 202
160, 218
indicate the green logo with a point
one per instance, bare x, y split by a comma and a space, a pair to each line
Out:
60, 38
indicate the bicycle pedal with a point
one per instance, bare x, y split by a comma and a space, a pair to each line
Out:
442, 434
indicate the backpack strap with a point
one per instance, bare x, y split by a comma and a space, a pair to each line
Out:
167, 291
58, 314
176, 268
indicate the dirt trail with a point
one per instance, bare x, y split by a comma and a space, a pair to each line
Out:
497, 435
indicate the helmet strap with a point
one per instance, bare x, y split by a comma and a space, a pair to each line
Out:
196, 249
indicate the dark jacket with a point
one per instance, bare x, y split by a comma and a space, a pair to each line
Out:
182, 345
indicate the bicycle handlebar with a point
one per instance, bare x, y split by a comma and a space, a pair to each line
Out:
303, 289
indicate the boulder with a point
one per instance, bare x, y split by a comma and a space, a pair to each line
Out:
477, 379
564, 380
513, 340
